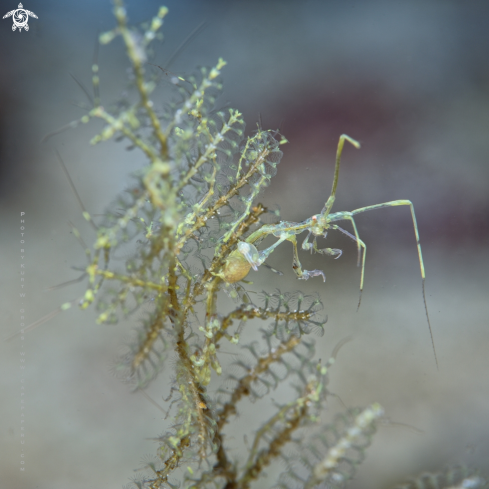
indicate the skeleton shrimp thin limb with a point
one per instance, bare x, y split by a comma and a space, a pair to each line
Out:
329, 203
338, 216
360, 245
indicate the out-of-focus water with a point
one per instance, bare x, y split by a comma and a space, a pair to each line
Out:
410, 81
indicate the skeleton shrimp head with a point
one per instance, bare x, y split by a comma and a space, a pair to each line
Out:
317, 225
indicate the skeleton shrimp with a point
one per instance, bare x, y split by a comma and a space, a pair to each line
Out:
247, 256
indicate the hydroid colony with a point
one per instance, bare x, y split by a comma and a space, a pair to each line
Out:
192, 218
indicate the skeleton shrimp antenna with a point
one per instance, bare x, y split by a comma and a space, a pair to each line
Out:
329, 203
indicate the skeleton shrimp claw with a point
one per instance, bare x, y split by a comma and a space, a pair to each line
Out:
306, 274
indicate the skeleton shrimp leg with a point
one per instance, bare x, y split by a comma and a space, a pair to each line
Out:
349, 216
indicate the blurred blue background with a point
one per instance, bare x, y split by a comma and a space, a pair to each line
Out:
409, 80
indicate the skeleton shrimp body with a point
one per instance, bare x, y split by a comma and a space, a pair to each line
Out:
247, 256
